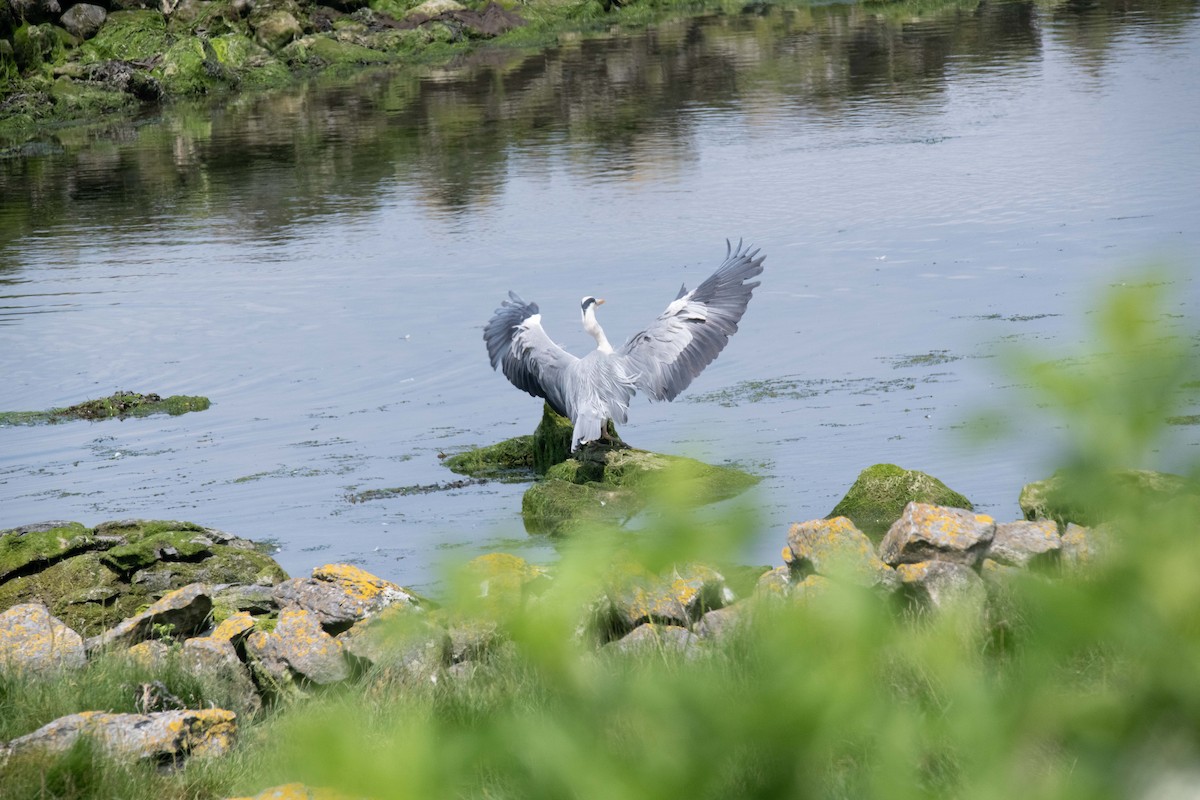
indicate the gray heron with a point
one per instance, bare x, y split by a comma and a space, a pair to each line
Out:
660, 360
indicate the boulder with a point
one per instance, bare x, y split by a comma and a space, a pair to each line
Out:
503, 583
881, 492
276, 29
600, 484
1091, 499
1025, 543
181, 612
720, 622
83, 20
31, 640
94, 578
939, 585
835, 548
926, 532
399, 641
341, 594
162, 736
634, 597
215, 662
298, 647
655, 639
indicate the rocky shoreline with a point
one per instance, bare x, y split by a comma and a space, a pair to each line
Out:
176, 595
64, 62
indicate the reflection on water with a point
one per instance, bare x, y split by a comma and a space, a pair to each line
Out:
320, 261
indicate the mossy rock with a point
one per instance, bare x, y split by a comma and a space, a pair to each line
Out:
35, 45
560, 507
121, 404
93, 578
127, 36
879, 495
1093, 500
323, 52
195, 65
517, 459
601, 484
510, 460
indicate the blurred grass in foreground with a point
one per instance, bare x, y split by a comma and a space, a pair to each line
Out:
1083, 685
1079, 686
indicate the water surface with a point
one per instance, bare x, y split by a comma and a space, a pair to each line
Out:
321, 263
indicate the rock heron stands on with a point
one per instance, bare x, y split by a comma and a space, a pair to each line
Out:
660, 360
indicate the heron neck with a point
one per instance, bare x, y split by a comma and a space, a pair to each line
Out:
593, 327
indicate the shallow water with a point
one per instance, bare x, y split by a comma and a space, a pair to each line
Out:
321, 263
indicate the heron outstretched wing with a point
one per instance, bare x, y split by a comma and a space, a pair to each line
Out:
518, 344
676, 347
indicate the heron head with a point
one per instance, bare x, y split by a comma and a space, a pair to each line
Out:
589, 303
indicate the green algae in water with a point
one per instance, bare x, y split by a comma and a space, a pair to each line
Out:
120, 405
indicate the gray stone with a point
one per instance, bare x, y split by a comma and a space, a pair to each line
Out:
1025, 544
651, 638
926, 532
167, 735
215, 661
276, 29
298, 645
835, 548
943, 584
341, 594
31, 640
720, 623
184, 611
83, 20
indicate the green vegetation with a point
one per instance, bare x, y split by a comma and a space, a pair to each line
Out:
121, 405
881, 492
1079, 684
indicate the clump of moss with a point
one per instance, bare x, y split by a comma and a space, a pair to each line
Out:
121, 404
510, 460
880, 493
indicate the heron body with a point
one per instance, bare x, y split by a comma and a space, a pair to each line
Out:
660, 360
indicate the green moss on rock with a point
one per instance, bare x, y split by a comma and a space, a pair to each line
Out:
127, 36
1093, 500
611, 485
881, 492
121, 404
509, 460
93, 578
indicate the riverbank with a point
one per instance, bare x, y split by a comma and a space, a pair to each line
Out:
82, 63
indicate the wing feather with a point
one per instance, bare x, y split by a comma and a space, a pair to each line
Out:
531, 361
668, 355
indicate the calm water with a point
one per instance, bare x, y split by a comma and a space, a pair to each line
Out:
321, 264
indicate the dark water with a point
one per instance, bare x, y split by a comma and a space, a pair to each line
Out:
321, 263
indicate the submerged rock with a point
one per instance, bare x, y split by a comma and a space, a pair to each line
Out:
121, 404
881, 492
